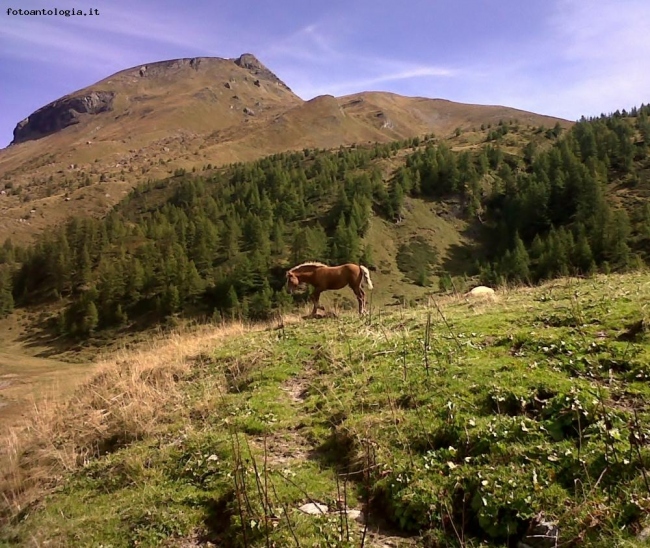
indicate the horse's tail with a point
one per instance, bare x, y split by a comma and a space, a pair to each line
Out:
366, 276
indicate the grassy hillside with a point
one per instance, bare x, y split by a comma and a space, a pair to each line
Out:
459, 423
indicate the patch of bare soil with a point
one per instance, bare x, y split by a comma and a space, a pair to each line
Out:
284, 448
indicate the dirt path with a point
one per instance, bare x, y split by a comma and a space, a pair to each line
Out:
289, 446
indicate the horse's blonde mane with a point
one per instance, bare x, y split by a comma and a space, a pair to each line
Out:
309, 263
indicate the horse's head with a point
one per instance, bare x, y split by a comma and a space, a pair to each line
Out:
292, 281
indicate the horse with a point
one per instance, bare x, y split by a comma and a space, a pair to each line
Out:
325, 278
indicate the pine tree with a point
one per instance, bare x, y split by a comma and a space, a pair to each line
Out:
587, 139
644, 128
230, 238
382, 199
231, 303
520, 261
244, 308
282, 301
84, 268
487, 275
135, 281
444, 282
422, 276
367, 256
90, 319
300, 246
483, 163
396, 199
277, 240
644, 221
558, 253
193, 283
266, 212
6, 297
618, 232
546, 262
257, 236
7, 252
504, 266
317, 242
261, 303
582, 257
353, 251
340, 242
529, 152
171, 300
246, 275
121, 317
417, 184
360, 214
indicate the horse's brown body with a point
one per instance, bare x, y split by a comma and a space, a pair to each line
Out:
324, 278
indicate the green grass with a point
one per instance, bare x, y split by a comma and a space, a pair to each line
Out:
459, 433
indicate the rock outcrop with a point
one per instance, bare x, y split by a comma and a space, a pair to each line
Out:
252, 63
61, 114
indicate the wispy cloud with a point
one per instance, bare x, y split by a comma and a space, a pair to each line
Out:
164, 27
320, 44
319, 59
607, 47
590, 57
357, 85
50, 43
106, 39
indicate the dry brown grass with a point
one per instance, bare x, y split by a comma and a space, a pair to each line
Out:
133, 393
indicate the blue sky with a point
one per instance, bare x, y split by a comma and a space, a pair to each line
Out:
560, 57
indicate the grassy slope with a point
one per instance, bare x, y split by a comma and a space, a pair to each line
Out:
28, 333
31, 370
518, 405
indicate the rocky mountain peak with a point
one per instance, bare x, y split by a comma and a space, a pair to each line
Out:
253, 64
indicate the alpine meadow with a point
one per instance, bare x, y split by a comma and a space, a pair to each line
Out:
160, 386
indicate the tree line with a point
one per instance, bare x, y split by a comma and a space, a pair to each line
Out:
218, 241
547, 212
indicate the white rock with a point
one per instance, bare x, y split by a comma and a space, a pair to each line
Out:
314, 508
481, 290
356, 515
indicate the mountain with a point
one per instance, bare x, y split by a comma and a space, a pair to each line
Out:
83, 152
196, 94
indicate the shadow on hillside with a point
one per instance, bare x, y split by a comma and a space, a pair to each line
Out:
218, 516
340, 452
461, 259
321, 315
43, 334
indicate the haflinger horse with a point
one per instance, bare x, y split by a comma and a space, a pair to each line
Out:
325, 278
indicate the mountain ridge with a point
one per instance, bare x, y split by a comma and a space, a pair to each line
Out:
149, 120
91, 100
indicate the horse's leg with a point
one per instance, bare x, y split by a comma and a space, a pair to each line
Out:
361, 298
315, 296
